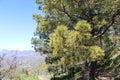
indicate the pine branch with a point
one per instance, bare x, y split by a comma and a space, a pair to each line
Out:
109, 25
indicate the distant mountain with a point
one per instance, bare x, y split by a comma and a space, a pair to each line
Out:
25, 57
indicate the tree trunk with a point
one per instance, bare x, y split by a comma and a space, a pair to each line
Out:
71, 72
92, 70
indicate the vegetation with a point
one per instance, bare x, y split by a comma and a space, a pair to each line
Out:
13, 68
31, 77
8, 68
81, 39
79, 34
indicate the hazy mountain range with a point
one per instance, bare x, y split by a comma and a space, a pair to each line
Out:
25, 57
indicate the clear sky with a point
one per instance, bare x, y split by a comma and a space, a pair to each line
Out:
16, 23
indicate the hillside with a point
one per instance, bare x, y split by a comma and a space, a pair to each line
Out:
28, 58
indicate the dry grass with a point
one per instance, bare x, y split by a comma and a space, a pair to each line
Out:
44, 77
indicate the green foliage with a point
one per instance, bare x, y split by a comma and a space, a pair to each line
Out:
31, 77
83, 26
69, 28
72, 47
62, 77
57, 40
96, 53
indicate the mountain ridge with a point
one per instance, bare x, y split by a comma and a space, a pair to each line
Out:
27, 57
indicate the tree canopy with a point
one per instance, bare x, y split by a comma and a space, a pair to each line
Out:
77, 31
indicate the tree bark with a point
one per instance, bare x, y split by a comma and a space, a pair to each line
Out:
92, 70
71, 72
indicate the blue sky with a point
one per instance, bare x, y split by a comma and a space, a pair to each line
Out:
16, 23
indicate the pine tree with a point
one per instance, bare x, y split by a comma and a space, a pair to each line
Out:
77, 30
